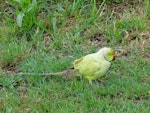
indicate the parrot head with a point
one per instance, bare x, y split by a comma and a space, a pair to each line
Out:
109, 53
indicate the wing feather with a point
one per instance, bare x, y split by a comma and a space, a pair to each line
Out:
77, 63
87, 65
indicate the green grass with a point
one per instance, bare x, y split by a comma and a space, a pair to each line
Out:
47, 36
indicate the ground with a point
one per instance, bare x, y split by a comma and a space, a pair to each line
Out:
47, 36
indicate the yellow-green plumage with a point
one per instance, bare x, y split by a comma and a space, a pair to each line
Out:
94, 66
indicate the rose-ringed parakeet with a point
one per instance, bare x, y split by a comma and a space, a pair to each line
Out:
91, 67
94, 66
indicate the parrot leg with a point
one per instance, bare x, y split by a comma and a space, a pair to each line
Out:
90, 81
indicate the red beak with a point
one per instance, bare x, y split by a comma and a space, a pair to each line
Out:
114, 57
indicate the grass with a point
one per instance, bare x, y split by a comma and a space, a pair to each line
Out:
47, 36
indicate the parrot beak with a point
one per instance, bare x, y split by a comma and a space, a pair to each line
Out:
114, 57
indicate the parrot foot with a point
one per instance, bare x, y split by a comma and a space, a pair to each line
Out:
90, 81
95, 83
100, 80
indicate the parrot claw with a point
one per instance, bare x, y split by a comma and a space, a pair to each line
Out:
90, 81
100, 80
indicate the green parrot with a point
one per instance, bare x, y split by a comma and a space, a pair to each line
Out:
91, 66
95, 65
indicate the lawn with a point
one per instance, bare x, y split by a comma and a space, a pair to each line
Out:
47, 36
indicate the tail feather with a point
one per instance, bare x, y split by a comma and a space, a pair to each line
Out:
70, 72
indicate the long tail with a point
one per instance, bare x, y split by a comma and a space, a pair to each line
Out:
71, 72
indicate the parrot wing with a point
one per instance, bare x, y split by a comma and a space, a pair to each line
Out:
88, 66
